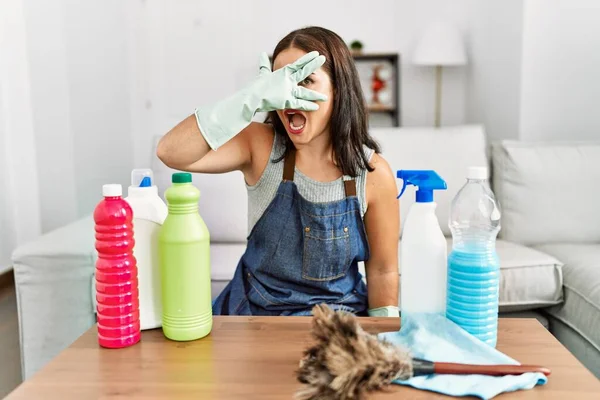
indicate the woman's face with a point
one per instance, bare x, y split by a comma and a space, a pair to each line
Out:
304, 126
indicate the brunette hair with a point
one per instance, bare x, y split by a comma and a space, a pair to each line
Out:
349, 117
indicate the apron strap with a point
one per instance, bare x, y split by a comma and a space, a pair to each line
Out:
289, 165
350, 187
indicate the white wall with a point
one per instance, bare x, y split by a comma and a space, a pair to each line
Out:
47, 52
79, 71
190, 53
7, 222
495, 67
198, 52
560, 89
19, 196
107, 76
98, 65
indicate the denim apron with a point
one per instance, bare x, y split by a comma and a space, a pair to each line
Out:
300, 254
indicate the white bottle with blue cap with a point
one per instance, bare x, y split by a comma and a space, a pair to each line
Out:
149, 213
423, 249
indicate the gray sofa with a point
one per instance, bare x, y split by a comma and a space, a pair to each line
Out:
549, 244
550, 202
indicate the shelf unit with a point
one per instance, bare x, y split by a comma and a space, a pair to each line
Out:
394, 60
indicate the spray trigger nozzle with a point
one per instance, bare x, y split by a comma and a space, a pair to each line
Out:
426, 182
403, 187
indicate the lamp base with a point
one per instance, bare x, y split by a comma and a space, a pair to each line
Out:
438, 95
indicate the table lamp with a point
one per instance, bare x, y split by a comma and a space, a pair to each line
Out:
440, 45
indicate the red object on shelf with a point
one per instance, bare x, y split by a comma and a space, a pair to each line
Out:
377, 84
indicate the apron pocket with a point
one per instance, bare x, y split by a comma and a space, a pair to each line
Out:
326, 254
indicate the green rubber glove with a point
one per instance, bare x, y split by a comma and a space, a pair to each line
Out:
270, 91
388, 311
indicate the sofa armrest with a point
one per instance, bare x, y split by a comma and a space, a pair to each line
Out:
53, 280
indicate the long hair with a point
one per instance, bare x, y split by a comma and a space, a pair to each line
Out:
349, 118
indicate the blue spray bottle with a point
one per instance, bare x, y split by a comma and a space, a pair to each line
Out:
423, 250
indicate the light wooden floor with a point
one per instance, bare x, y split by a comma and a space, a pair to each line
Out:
10, 363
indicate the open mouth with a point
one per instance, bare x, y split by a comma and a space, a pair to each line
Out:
296, 121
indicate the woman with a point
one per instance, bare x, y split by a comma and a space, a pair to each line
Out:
320, 197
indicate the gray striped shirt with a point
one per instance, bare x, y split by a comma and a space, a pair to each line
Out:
262, 193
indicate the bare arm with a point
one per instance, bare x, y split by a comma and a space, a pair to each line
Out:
184, 148
228, 124
382, 222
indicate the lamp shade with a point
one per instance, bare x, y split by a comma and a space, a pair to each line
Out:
440, 44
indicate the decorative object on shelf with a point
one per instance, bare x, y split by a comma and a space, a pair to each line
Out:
356, 47
380, 80
377, 84
440, 45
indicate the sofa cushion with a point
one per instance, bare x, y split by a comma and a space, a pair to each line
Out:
448, 150
223, 202
548, 192
529, 278
224, 258
581, 274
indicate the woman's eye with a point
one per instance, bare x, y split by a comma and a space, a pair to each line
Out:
307, 81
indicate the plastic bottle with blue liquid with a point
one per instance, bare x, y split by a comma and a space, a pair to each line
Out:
423, 250
473, 264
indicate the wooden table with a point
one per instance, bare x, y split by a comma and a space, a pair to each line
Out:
255, 358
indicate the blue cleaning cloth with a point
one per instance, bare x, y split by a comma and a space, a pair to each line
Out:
435, 338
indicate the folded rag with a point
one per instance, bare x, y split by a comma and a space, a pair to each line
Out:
435, 338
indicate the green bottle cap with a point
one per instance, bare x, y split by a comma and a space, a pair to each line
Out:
181, 177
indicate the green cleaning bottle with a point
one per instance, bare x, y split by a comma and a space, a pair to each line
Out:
184, 254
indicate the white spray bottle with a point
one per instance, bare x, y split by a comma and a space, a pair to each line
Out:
149, 213
423, 250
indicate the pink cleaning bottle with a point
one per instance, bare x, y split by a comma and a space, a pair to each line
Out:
116, 271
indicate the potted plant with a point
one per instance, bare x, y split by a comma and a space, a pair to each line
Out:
356, 47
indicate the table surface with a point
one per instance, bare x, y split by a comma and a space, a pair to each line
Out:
255, 358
